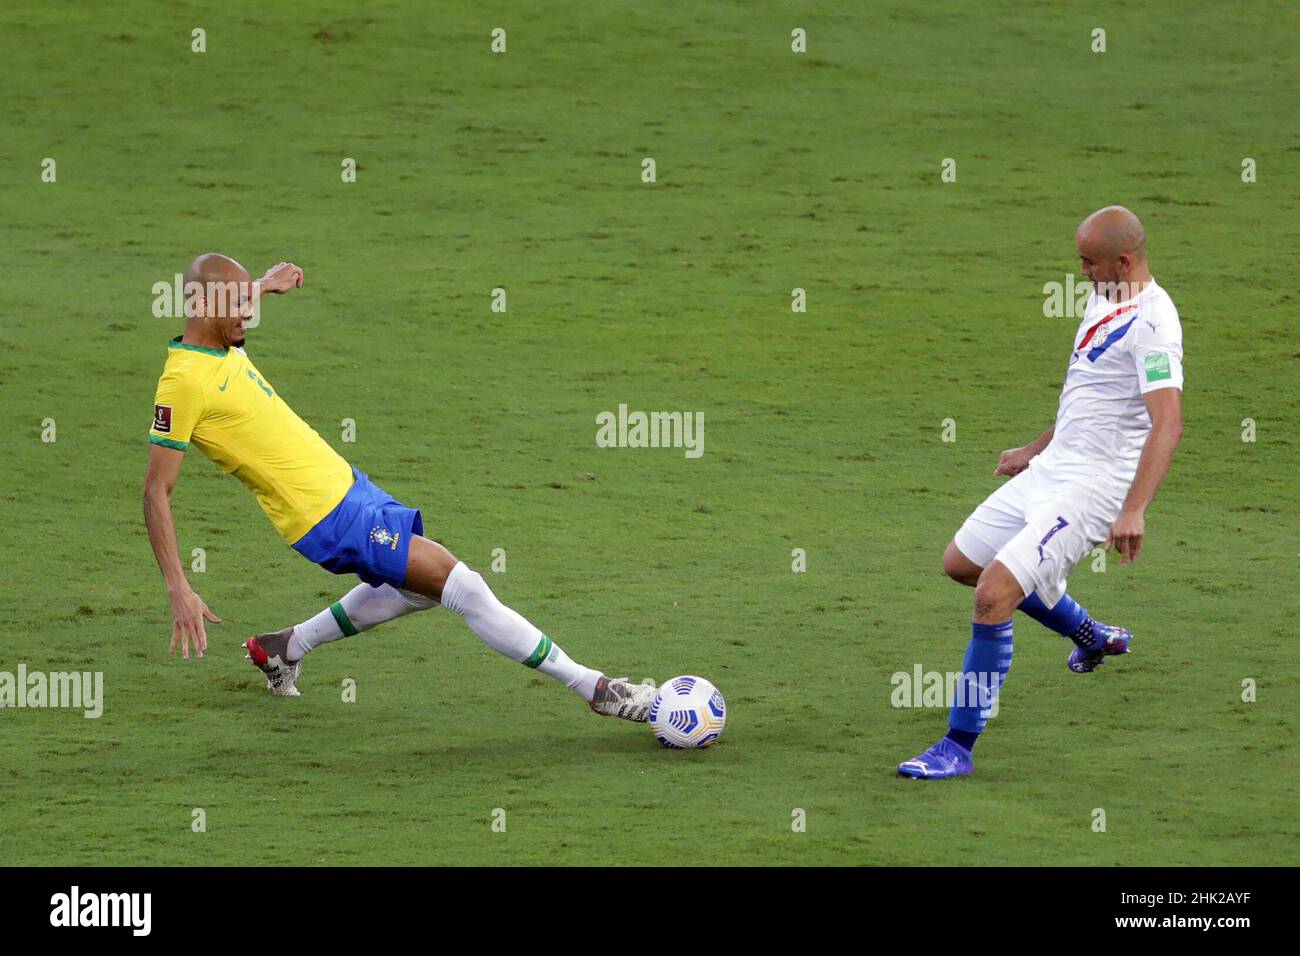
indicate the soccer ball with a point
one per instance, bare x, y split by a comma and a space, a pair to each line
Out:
687, 712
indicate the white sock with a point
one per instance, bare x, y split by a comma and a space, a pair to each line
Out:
359, 610
509, 633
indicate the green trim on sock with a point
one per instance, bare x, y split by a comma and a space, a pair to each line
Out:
341, 617
539, 653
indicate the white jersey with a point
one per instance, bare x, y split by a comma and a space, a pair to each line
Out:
1122, 351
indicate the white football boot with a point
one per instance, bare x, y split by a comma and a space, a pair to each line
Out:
269, 652
617, 697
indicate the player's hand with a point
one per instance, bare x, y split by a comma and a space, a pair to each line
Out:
281, 277
1012, 462
188, 614
1126, 536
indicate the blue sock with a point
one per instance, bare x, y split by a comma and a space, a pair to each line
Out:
988, 659
962, 738
1068, 618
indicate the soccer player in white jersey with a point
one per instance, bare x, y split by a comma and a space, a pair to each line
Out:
1089, 478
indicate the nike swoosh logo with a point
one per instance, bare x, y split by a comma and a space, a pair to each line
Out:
222, 386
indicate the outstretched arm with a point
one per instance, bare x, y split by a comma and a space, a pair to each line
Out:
1015, 460
1165, 406
188, 609
278, 279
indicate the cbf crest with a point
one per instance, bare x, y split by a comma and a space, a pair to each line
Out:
384, 536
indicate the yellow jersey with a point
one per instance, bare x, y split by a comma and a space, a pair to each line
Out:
217, 400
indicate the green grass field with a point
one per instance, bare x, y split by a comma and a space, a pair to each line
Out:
521, 170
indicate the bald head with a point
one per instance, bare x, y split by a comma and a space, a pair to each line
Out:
218, 299
1112, 232
1113, 252
214, 267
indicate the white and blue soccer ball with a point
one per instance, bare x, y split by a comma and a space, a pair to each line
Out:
687, 712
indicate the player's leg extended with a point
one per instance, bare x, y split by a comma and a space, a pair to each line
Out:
970, 559
985, 668
1093, 640
1038, 560
359, 610
1066, 617
279, 653
988, 660
435, 572
988, 656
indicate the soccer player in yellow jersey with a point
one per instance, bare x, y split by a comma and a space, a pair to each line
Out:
212, 397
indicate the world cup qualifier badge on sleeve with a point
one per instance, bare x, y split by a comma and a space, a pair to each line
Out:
1157, 367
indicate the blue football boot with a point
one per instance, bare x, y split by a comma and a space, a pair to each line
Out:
1113, 640
945, 759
